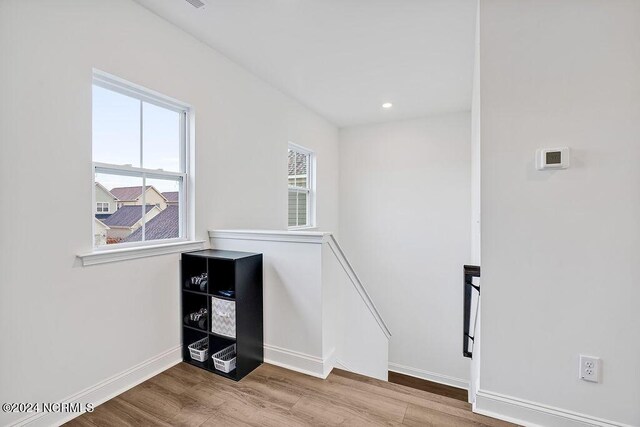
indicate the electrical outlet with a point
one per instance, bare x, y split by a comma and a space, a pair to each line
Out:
589, 368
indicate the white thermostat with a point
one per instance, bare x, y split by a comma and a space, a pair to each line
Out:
552, 158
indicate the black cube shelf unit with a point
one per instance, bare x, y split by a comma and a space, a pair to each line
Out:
240, 272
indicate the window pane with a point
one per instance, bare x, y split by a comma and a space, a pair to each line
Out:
163, 221
123, 194
301, 170
291, 168
293, 208
302, 209
161, 138
297, 211
298, 166
116, 128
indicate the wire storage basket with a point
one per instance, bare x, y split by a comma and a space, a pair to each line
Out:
199, 350
225, 359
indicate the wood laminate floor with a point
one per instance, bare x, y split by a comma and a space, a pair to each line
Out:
270, 396
431, 387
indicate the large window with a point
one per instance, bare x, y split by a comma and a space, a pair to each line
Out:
301, 167
140, 165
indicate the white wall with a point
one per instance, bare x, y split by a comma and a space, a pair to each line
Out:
293, 297
560, 249
476, 176
354, 327
64, 327
315, 314
361, 345
474, 379
405, 225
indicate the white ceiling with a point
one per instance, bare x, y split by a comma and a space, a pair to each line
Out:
344, 58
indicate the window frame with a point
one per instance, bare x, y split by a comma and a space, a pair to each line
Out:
310, 189
184, 176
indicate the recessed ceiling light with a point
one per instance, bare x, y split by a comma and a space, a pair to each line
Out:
387, 105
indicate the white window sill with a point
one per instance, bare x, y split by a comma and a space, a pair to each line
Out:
113, 255
303, 228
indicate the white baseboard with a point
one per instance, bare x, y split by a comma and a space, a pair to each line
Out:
299, 362
329, 362
429, 376
532, 414
107, 389
340, 365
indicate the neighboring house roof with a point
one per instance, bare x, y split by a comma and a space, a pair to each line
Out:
105, 190
126, 216
103, 216
101, 224
171, 196
127, 193
165, 225
131, 193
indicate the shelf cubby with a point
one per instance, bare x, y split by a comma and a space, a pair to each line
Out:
192, 303
222, 273
189, 336
194, 268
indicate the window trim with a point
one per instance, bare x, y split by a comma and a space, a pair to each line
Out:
123, 254
124, 87
185, 176
310, 189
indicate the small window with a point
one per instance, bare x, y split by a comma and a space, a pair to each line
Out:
301, 165
139, 155
102, 207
